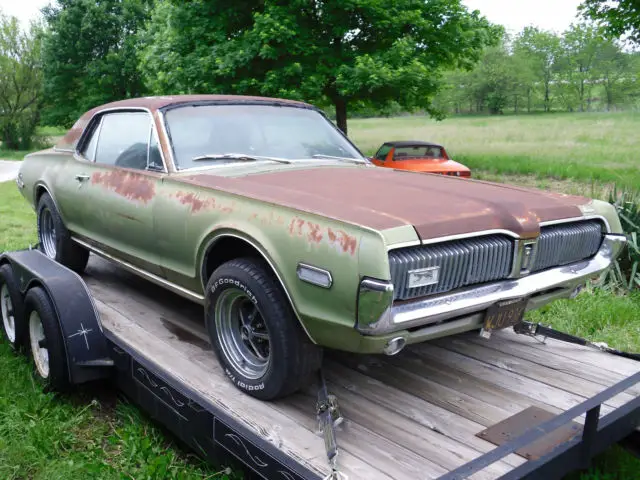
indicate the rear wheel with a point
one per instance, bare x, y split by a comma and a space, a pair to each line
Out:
11, 308
255, 334
55, 239
45, 341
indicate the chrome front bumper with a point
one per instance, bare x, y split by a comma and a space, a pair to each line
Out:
377, 314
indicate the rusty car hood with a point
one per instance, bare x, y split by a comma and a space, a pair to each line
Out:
382, 198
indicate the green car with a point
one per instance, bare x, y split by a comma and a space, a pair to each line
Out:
293, 241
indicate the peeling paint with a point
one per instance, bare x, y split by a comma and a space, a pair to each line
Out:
127, 184
315, 234
197, 204
347, 243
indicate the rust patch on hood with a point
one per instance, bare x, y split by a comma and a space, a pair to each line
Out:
382, 198
130, 185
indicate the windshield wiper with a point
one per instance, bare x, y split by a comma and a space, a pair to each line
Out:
346, 159
237, 156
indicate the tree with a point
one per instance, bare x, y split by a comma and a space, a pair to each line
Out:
20, 82
543, 49
612, 67
618, 17
89, 55
336, 52
579, 49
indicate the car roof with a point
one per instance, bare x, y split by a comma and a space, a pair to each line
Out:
153, 104
411, 143
159, 102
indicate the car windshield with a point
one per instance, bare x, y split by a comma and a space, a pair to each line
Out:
205, 135
418, 152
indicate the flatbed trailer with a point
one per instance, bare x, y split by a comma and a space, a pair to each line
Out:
458, 407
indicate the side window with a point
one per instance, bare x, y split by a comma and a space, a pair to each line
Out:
124, 140
383, 152
89, 149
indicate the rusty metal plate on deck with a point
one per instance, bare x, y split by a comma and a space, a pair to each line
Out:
517, 424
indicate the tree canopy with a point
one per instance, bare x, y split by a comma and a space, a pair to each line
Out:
336, 52
618, 17
89, 55
20, 82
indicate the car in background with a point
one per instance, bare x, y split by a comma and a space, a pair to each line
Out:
418, 156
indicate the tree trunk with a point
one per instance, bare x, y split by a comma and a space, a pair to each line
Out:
341, 114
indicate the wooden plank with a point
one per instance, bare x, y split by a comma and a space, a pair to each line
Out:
448, 398
392, 459
572, 366
418, 411
534, 371
620, 365
260, 417
551, 396
448, 442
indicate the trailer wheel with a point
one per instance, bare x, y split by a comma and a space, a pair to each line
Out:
55, 240
255, 334
12, 308
45, 341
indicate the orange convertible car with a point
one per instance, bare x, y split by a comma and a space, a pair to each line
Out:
418, 156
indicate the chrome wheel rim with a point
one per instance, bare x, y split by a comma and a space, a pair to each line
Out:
8, 319
37, 338
242, 333
48, 233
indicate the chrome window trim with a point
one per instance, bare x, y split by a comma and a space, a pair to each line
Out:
122, 110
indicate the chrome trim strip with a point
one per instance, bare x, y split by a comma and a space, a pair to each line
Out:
183, 292
435, 309
460, 236
315, 269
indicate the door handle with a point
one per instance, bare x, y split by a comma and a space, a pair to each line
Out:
82, 177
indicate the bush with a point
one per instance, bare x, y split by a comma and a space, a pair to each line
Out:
626, 271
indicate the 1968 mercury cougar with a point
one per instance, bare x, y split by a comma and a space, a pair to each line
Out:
266, 214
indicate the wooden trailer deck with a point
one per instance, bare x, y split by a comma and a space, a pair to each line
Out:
414, 415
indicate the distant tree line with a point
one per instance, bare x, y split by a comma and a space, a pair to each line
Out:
351, 57
535, 70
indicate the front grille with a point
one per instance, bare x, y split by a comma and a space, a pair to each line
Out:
462, 262
567, 243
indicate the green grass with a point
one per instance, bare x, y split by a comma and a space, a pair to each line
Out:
89, 434
46, 137
581, 146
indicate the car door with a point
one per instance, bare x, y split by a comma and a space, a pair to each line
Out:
119, 186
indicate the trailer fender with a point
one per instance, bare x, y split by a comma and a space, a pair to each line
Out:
84, 342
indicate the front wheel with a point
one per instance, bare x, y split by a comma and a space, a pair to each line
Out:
254, 331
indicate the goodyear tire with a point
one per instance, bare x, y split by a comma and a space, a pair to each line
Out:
13, 326
55, 239
45, 341
255, 334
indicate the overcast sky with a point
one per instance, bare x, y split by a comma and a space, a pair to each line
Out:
513, 14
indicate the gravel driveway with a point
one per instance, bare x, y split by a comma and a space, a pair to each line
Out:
8, 170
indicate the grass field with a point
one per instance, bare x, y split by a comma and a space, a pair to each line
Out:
598, 146
98, 435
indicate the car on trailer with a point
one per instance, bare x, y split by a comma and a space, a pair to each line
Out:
262, 211
418, 156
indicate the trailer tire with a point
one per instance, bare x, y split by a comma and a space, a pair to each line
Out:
255, 333
54, 238
13, 325
49, 357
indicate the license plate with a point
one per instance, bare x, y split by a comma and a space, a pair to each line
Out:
506, 313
